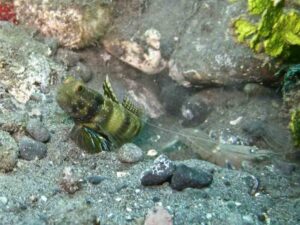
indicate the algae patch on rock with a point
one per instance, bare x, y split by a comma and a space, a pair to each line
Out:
277, 32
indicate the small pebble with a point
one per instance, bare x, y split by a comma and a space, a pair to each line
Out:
130, 153
31, 149
3, 200
122, 173
37, 130
95, 179
152, 153
187, 177
254, 90
155, 199
248, 220
128, 218
118, 199
160, 172
69, 182
44, 198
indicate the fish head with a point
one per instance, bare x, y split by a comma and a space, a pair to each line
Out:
77, 100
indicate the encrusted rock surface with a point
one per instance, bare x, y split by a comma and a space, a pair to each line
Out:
74, 23
130, 153
8, 152
26, 67
38, 130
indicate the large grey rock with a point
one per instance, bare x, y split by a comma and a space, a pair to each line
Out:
207, 52
8, 152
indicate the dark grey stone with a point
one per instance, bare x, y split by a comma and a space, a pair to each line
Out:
187, 177
95, 179
31, 149
37, 130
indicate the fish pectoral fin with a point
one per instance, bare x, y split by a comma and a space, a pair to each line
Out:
127, 104
108, 91
90, 140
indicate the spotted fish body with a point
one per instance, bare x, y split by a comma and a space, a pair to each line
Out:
100, 120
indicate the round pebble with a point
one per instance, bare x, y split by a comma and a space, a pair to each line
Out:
187, 177
95, 179
130, 153
8, 152
37, 130
152, 153
31, 149
160, 172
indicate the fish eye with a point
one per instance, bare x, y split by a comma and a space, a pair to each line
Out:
79, 88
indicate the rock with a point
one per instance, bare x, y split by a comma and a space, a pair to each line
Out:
256, 90
37, 130
95, 179
82, 71
130, 52
130, 153
152, 153
194, 111
74, 25
275, 135
160, 172
67, 57
8, 152
186, 177
173, 102
196, 61
158, 216
285, 167
28, 68
228, 136
31, 149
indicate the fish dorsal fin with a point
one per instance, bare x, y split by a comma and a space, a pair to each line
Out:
131, 107
108, 91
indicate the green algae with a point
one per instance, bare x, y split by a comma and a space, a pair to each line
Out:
277, 30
